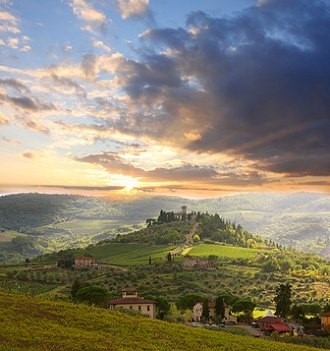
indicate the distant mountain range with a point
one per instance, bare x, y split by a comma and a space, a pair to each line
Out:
52, 222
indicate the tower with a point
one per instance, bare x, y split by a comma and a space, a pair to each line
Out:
184, 213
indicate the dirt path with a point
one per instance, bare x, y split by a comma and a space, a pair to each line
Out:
189, 237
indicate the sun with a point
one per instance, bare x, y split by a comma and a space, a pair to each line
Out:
130, 183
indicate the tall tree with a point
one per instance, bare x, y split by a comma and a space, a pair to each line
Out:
206, 310
282, 299
220, 308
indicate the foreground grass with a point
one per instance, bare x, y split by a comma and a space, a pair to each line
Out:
205, 250
36, 324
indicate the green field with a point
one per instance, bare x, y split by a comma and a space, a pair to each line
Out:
36, 324
8, 235
129, 254
205, 250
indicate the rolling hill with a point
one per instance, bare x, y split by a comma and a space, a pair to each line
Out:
32, 224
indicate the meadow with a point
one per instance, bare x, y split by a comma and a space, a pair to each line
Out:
205, 250
129, 254
36, 324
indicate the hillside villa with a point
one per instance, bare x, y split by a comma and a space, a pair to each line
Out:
84, 262
325, 321
198, 311
131, 301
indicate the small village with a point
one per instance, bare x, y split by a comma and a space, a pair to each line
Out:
207, 313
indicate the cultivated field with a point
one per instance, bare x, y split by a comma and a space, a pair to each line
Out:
129, 254
205, 250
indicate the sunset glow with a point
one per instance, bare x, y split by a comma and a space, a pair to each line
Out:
174, 98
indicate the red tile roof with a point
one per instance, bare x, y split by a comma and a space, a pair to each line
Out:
131, 301
280, 327
325, 314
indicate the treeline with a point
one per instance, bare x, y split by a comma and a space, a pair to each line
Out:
163, 234
221, 230
294, 262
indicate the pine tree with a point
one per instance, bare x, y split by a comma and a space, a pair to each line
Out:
206, 310
220, 308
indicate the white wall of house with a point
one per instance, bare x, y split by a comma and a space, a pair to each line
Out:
148, 310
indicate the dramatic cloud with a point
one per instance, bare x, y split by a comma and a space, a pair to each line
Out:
9, 23
18, 96
10, 140
29, 104
254, 86
14, 84
94, 20
3, 120
132, 8
114, 164
185, 173
68, 85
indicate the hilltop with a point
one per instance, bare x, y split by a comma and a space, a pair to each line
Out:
33, 224
36, 324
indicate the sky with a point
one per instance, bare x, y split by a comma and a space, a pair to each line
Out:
187, 98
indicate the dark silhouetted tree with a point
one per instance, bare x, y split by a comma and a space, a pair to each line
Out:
283, 299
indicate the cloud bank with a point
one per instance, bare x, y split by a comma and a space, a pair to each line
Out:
256, 86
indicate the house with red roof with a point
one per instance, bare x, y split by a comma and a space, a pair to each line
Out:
131, 301
270, 323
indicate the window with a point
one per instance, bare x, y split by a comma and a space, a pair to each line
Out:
148, 308
139, 308
130, 307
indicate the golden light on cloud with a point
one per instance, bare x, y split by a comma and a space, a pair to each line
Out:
192, 135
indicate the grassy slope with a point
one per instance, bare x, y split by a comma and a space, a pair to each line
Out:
205, 250
35, 324
128, 254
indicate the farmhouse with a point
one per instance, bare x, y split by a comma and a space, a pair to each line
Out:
84, 262
198, 311
269, 323
325, 321
131, 301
